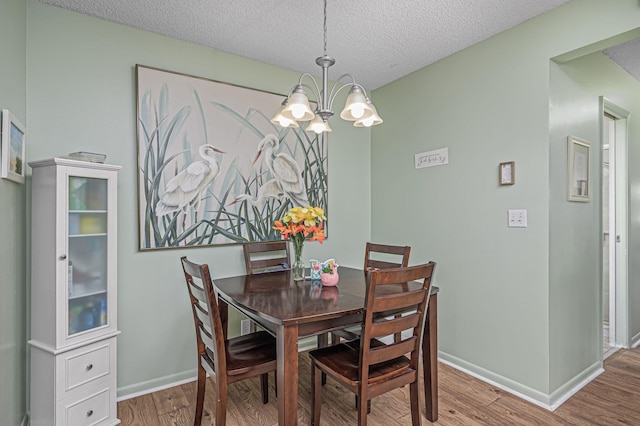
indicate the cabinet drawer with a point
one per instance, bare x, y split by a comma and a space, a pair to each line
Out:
84, 367
86, 364
87, 411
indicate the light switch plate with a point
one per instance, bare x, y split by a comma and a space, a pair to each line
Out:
517, 218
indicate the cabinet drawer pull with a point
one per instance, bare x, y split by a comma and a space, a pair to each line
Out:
89, 367
89, 413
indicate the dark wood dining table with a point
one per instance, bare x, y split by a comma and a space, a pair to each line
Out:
292, 310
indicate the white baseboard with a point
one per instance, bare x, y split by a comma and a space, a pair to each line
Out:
166, 382
570, 388
548, 402
149, 386
635, 341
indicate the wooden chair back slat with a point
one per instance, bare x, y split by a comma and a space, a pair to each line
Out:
394, 325
207, 368
397, 301
386, 248
207, 338
392, 350
261, 257
203, 315
198, 292
382, 264
261, 266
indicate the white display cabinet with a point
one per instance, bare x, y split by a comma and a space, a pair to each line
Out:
73, 293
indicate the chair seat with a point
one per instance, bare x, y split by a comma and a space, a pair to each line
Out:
245, 353
343, 360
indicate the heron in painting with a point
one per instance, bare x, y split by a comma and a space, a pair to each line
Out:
287, 179
186, 188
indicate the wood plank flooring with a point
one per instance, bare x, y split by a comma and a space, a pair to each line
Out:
611, 399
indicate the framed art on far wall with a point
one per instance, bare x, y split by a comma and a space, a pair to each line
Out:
579, 155
13, 147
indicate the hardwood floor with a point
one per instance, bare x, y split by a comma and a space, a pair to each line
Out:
611, 399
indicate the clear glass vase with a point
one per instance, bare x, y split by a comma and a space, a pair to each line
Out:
298, 267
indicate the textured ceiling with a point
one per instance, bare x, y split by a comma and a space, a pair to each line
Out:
376, 41
627, 55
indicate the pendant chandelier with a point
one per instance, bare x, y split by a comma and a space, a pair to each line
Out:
295, 108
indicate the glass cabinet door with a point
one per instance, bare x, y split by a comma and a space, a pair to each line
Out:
87, 254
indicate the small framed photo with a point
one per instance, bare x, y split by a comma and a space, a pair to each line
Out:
579, 166
507, 173
13, 147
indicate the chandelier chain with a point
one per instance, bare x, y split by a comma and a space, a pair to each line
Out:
325, 27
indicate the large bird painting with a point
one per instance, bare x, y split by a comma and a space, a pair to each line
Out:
213, 169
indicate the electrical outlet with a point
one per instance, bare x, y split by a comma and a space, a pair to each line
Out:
517, 218
245, 327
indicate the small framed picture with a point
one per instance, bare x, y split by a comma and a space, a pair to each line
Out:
13, 147
507, 173
579, 154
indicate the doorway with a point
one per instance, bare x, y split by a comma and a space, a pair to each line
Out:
614, 220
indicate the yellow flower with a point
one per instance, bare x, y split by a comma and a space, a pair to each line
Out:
303, 221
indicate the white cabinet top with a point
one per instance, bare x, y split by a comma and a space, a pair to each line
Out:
72, 163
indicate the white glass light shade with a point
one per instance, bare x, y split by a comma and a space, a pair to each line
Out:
285, 122
318, 125
298, 108
372, 120
282, 120
356, 107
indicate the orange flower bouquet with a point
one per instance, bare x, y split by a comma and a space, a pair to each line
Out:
298, 225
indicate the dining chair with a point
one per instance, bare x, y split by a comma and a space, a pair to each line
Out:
225, 360
384, 256
265, 257
368, 367
377, 256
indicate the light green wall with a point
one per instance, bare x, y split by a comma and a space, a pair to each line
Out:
13, 366
489, 103
81, 96
574, 236
458, 213
586, 79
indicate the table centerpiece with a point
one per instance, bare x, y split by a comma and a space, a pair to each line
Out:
300, 224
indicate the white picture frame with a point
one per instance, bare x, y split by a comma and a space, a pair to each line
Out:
579, 167
13, 147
